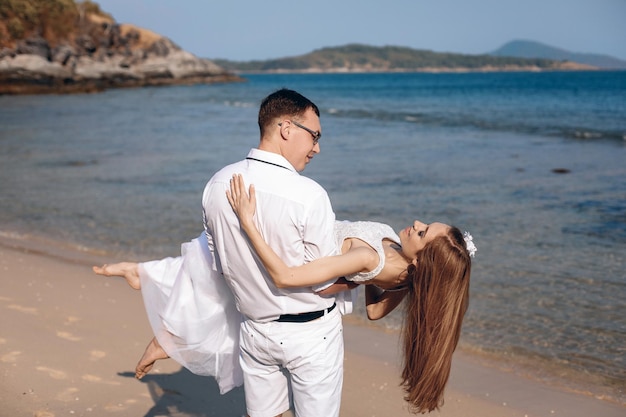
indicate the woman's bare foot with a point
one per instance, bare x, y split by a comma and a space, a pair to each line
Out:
153, 353
128, 270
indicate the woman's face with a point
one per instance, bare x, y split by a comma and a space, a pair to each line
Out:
415, 237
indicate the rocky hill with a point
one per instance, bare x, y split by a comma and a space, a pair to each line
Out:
365, 58
59, 46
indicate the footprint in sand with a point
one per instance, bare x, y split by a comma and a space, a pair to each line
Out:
68, 336
97, 355
43, 413
68, 395
52, 373
114, 407
94, 378
22, 309
10, 357
71, 320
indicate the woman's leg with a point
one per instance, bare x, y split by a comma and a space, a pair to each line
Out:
130, 272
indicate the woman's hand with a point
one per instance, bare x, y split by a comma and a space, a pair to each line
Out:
243, 205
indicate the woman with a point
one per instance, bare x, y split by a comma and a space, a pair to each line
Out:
429, 265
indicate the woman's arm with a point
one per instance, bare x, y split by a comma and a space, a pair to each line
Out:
379, 302
315, 272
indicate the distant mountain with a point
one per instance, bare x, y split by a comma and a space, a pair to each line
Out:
365, 58
531, 49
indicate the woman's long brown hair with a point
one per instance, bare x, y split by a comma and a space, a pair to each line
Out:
436, 302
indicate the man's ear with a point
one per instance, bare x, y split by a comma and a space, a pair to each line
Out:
285, 129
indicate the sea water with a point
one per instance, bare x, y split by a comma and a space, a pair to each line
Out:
533, 165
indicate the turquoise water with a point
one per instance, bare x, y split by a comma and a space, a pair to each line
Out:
121, 174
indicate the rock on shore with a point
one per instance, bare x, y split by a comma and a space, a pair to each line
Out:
101, 55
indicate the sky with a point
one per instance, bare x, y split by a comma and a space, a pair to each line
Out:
244, 30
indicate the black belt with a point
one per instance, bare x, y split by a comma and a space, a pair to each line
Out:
304, 317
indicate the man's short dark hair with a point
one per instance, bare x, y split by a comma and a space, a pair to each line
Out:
281, 103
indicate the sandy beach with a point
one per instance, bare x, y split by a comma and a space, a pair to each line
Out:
70, 341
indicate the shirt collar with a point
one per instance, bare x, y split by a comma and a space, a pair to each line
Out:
270, 158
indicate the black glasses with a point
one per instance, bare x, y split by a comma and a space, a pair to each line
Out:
316, 135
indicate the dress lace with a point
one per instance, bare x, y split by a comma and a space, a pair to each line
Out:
371, 233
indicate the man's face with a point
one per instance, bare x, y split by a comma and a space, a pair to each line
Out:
302, 135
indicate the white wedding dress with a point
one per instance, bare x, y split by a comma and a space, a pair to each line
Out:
192, 310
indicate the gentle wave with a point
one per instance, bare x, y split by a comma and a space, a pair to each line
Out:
471, 121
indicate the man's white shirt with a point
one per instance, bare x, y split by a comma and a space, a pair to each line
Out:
295, 218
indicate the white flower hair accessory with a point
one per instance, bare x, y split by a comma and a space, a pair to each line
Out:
469, 244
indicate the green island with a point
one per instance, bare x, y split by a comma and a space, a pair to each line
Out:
365, 58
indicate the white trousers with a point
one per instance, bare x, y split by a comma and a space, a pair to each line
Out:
301, 361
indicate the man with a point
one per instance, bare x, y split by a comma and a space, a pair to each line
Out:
291, 340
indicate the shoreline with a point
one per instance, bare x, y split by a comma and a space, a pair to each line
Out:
83, 334
425, 70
